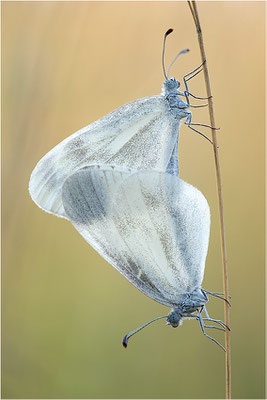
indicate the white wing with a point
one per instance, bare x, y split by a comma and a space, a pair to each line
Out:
151, 226
142, 134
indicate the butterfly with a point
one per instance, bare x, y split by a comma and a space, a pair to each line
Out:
137, 214
142, 134
152, 227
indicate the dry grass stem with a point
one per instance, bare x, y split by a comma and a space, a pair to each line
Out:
193, 8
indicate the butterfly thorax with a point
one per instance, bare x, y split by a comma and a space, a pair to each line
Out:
171, 93
190, 303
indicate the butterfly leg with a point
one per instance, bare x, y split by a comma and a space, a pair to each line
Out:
214, 320
189, 76
217, 321
200, 67
201, 105
187, 92
213, 293
197, 318
210, 326
195, 72
214, 327
192, 74
189, 123
206, 126
202, 325
218, 295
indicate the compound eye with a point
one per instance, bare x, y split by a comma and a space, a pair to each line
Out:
172, 84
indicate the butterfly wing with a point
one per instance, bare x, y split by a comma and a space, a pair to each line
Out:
167, 222
87, 197
142, 134
151, 226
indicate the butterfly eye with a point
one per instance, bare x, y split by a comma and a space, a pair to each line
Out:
172, 84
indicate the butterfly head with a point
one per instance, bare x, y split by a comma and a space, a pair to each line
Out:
174, 318
170, 86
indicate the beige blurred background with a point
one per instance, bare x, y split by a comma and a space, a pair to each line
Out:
64, 309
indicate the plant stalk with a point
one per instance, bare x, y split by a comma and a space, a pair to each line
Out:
193, 9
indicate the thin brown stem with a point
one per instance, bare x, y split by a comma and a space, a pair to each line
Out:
193, 9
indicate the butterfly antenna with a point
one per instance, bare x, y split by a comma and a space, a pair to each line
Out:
127, 337
181, 52
163, 51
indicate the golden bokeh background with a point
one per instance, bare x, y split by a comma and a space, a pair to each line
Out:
64, 309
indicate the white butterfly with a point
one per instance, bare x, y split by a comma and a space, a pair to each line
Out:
152, 227
141, 135
145, 221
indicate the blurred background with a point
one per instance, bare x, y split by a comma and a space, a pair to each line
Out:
64, 309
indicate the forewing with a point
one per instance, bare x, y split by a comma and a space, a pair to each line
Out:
142, 134
152, 227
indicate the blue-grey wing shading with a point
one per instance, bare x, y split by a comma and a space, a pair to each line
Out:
142, 135
87, 197
151, 226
